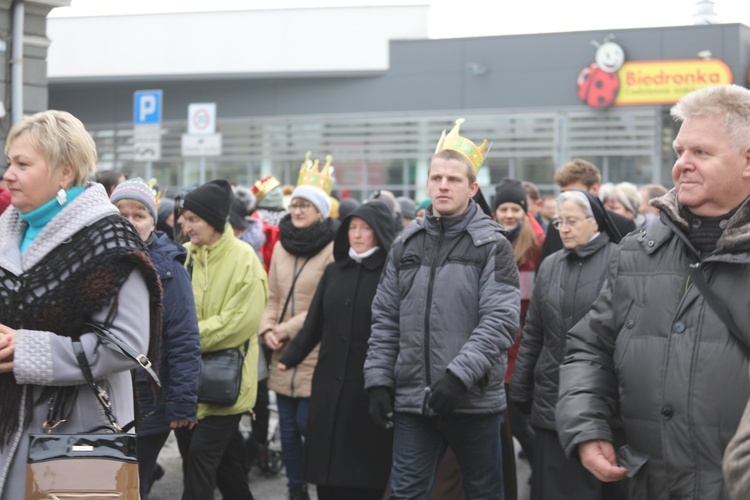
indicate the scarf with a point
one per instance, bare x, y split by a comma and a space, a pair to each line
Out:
308, 241
70, 284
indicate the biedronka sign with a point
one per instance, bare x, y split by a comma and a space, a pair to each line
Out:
610, 81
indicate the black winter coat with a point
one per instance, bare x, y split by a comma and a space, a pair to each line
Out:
567, 284
343, 447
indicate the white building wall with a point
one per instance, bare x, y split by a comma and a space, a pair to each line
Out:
230, 43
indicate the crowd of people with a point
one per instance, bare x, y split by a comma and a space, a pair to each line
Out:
407, 342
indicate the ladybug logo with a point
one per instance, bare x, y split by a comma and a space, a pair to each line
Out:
599, 83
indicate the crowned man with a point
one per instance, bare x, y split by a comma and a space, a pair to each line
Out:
445, 313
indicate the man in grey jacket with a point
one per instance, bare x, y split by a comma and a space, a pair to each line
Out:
445, 313
656, 351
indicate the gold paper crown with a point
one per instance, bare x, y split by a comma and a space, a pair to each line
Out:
263, 186
462, 145
311, 176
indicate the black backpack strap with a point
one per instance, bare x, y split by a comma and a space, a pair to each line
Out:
719, 308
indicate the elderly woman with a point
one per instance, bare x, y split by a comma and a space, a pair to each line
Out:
229, 286
352, 460
567, 283
304, 250
180, 344
67, 258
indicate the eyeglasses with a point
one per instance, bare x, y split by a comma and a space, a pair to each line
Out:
571, 223
302, 207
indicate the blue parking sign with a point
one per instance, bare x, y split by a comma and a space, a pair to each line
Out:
147, 107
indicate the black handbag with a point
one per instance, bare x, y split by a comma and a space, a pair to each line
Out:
100, 463
221, 376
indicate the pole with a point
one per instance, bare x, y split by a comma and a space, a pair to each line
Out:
16, 103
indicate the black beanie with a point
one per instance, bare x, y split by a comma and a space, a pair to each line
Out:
510, 190
211, 202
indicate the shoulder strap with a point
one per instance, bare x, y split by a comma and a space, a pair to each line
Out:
719, 308
101, 394
114, 343
291, 290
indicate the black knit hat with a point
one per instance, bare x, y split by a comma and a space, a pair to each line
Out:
510, 190
211, 202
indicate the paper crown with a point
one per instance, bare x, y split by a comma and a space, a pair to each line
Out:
265, 185
310, 175
462, 145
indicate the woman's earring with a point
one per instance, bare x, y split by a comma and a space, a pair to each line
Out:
61, 197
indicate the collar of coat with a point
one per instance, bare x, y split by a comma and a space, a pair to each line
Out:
590, 247
480, 227
736, 235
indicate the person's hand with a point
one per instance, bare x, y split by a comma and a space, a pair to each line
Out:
176, 424
381, 407
446, 394
598, 456
272, 341
7, 348
281, 366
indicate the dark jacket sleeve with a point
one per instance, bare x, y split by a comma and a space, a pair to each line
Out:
532, 339
312, 329
588, 391
182, 346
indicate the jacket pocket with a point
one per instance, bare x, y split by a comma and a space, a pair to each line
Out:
408, 267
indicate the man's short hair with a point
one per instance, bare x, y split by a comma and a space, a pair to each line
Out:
450, 154
731, 103
531, 190
578, 170
654, 191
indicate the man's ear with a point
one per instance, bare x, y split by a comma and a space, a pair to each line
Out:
746, 168
474, 188
594, 189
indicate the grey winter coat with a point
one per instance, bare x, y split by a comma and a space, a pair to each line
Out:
449, 299
45, 359
652, 351
568, 282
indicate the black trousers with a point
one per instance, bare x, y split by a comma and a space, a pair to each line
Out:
213, 456
555, 477
148, 451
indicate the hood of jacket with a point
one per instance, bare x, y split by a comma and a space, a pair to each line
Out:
379, 219
473, 220
736, 234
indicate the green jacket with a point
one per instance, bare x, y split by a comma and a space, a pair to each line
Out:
230, 288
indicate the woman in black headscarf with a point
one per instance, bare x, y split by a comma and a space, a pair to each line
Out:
567, 283
346, 454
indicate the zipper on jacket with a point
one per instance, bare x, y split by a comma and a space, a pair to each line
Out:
428, 378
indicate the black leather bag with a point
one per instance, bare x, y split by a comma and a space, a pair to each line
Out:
100, 463
221, 376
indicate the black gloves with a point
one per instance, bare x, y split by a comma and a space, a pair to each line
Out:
381, 407
446, 394
523, 406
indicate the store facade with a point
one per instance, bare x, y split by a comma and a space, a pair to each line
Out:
539, 99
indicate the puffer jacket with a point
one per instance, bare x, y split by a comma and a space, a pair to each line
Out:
230, 290
448, 299
652, 351
567, 284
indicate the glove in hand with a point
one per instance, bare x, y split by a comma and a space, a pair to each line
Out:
381, 407
446, 394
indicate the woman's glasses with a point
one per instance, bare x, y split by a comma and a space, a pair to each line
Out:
571, 223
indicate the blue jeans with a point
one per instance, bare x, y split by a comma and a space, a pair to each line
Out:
420, 441
293, 425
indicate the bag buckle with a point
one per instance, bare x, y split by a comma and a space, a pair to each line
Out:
48, 426
144, 361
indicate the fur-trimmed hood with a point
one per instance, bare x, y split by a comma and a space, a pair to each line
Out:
736, 232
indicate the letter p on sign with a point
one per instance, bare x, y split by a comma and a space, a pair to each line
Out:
147, 107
